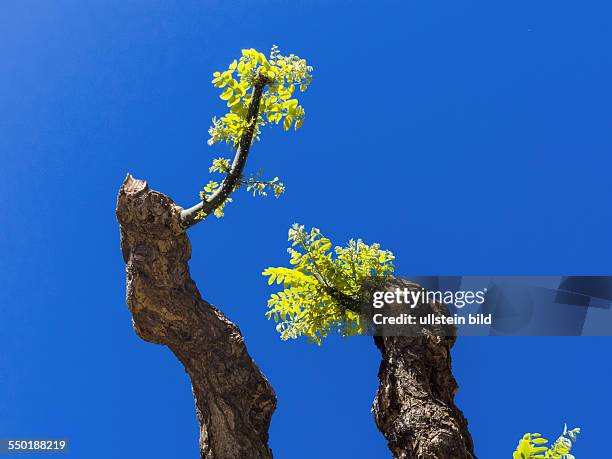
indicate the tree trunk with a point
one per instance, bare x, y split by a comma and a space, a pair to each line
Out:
414, 406
234, 401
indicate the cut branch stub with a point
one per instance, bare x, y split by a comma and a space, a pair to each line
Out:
234, 401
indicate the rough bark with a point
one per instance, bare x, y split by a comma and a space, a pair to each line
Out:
414, 407
234, 401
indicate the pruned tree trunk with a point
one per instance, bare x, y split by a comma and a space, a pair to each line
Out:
234, 401
414, 407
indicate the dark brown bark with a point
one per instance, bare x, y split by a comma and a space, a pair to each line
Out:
234, 401
414, 407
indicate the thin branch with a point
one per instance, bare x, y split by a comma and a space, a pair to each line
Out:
189, 217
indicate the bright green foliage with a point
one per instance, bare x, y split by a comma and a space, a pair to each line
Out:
533, 446
208, 190
253, 184
263, 187
283, 74
323, 285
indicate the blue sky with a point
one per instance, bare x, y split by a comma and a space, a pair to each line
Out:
468, 137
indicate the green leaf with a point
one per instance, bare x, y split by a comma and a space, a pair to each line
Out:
225, 95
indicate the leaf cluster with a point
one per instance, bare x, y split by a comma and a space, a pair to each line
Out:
322, 288
533, 446
283, 74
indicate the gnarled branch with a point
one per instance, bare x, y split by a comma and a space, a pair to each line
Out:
234, 401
